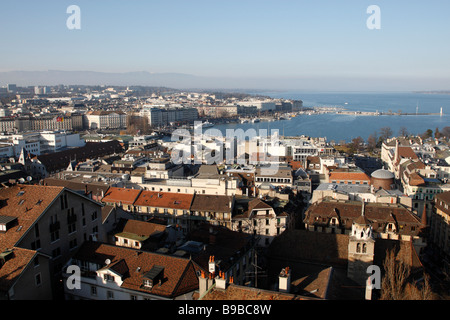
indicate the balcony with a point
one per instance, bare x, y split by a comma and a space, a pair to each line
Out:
55, 226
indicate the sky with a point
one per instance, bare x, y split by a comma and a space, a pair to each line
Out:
320, 41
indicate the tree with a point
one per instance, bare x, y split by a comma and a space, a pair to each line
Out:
394, 280
446, 132
395, 284
437, 134
356, 144
385, 133
427, 134
403, 132
372, 142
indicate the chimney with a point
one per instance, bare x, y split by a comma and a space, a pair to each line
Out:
221, 281
284, 280
204, 283
368, 289
212, 265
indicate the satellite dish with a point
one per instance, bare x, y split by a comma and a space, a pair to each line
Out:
29, 178
107, 261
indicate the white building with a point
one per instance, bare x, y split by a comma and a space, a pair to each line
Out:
117, 273
55, 141
106, 119
161, 115
261, 105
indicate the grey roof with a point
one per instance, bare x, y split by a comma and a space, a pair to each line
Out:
382, 174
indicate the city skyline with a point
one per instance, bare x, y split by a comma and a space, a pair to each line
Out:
293, 45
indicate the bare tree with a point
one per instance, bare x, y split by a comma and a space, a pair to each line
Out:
385, 133
372, 142
395, 285
394, 280
403, 132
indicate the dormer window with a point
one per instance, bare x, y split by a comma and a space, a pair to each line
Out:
390, 227
154, 276
148, 283
7, 222
108, 277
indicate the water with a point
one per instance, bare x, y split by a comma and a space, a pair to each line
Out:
346, 127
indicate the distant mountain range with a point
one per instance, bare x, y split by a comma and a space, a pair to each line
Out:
189, 81
57, 77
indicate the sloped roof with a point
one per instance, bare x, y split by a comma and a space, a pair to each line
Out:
179, 273
212, 203
27, 203
60, 160
13, 268
378, 214
173, 200
141, 229
122, 195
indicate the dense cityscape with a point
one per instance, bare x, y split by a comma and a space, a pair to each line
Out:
96, 204
217, 159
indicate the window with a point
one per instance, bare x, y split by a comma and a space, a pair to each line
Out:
36, 245
358, 247
93, 291
147, 283
56, 252
54, 236
72, 227
364, 248
108, 277
110, 295
37, 279
36, 230
133, 297
73, 244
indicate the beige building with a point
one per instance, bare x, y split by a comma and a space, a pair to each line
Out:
106, 119
440, 227
259, 219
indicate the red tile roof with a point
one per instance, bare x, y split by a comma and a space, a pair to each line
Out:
407, 152
179, 273
346, 176
121, 195
170, 200
13, 268
26, 203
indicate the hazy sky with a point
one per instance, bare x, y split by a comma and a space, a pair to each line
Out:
320, 39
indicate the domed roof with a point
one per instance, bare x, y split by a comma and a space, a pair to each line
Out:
382, 174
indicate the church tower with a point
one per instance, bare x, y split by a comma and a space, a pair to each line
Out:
361, 247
